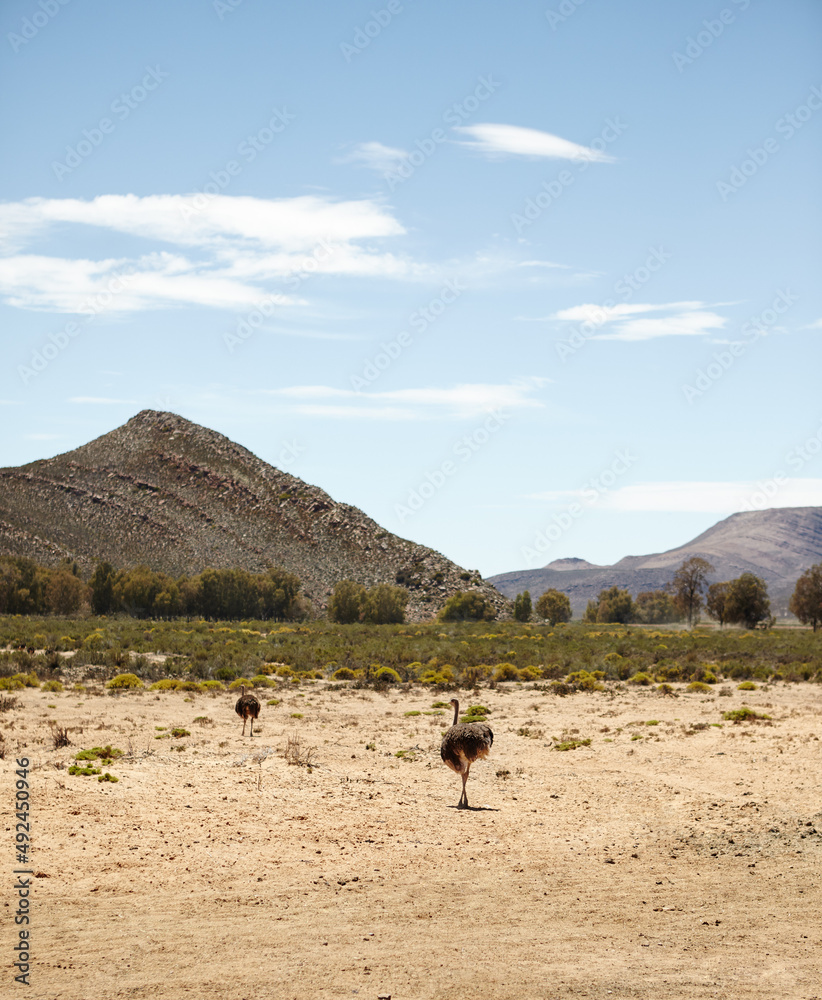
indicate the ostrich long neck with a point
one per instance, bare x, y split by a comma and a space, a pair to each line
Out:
456, 711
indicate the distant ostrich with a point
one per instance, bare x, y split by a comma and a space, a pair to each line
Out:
463, 744
247, 707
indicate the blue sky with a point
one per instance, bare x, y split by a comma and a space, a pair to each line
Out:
521, 281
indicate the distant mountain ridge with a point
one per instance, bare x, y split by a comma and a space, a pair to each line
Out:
167, 492
777, 544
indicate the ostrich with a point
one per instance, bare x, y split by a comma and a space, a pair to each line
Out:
247, 707
462, 744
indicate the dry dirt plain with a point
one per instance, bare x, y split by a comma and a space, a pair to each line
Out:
682, 864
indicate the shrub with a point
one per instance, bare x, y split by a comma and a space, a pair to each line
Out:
386, 675
747, 686
125, 682
571, 744
52, 686
641, 678
527, 673
166, 684
212, 686
585, 681
744, 714
506, 672
442, 676
260, 680
241, 682
698, 686
107, 754
343, 674
475, 713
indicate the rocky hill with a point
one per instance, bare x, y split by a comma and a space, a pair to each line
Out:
179, 497
778, 545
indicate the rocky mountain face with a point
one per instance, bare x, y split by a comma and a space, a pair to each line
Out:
778, 545
179, 497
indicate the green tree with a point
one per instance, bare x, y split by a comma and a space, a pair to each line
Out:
522, 607
135, 590
346, 602
554, 606
385, 605
717, 601
747, 601
22, 586
467, 606
65, 593
806, 600
280, 593
615, 605
687, 586
102, 589
655, 607
591, 611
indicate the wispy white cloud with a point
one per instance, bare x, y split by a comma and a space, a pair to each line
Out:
121, 285
541, 263
293, 224
697, 323
629, 321
101, 400
234, 248
460, 401
713, 497
513, 140
375, 156
700, 497
43, 437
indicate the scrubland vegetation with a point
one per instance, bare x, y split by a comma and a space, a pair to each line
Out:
127, 654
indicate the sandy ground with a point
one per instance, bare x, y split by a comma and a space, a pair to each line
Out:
682, 864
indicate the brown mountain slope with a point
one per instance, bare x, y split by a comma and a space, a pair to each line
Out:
167, 492
777, 544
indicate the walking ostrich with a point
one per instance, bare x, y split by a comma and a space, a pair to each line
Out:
462, 744
247, 707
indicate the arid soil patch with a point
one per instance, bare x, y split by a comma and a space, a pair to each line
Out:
674, 860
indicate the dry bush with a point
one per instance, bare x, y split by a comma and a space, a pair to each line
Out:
59, 737
295, 753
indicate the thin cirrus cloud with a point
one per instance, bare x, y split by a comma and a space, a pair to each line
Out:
460, 401
514, 140
375, 156
682, 496
101, 401
229, 248
713, 497
631, 322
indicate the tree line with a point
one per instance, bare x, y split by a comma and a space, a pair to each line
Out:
742, 601
28, 588
235, 594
